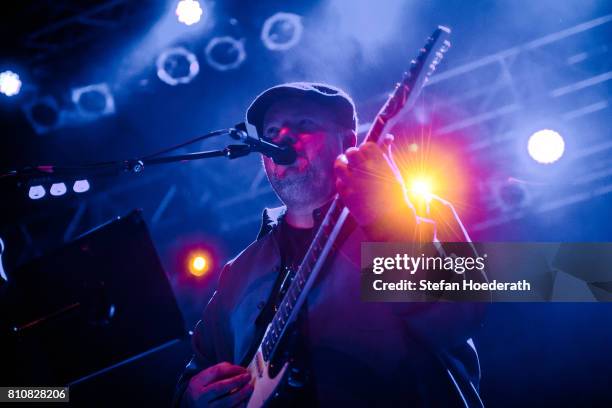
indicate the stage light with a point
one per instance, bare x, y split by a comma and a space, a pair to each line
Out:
57, 189
225, 53
177, 66
199, 264
80, 186
93, 101
282, 31
511, 195
10, 84
43, 114
421, 188
188, 11
36, 192
546, 146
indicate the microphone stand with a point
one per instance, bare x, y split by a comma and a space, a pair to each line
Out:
233, 151
230, 151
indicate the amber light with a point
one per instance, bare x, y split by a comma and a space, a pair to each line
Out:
430, 170
198, 264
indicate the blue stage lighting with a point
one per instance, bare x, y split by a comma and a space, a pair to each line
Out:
36, 192
225, 53
57, 189
44, 114
10, 84
188, 11
177, 66
80, 186
93, 101
282, 31
546, 146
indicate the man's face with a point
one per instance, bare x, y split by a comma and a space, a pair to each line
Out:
317, 140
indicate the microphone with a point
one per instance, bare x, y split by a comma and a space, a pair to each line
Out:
281, 154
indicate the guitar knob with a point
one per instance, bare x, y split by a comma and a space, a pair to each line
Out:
296, 378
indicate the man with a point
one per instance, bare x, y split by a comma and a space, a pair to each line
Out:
358, 354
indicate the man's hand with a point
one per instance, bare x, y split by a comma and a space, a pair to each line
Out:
222, 385
367, 185
375, 197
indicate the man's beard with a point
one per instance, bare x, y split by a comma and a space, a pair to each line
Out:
303, 189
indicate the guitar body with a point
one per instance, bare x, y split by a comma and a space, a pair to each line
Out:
265, 387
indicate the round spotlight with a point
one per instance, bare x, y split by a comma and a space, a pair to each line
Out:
43, 114
188, 11
546, 146
36, 192
80, 186
282, 31
10, 84
225, 53
199, 264
57, 189
177, 66
512, 196
93, 101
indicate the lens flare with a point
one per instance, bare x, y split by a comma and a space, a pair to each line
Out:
431, 168
421, 187
198, 264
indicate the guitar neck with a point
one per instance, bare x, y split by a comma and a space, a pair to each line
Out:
305, 276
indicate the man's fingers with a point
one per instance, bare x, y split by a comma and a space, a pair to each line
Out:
354, 157
217, 372
341, 168
220, 388
448, 225
371, 154
370, 148
236, 399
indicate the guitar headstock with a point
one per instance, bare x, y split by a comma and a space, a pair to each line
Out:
429, 57
407, 91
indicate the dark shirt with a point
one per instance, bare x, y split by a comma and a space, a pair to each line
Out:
294, 243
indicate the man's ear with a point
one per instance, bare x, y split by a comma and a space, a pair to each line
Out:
349, 139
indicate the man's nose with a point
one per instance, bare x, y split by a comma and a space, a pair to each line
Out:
290, 136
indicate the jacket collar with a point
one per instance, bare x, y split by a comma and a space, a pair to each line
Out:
271, 218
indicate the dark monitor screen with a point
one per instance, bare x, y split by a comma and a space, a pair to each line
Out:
91, 304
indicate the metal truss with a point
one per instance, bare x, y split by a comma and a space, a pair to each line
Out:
72, 23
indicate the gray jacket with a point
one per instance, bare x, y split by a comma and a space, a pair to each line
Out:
363, 354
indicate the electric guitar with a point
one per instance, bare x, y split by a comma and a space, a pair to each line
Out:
268, 370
